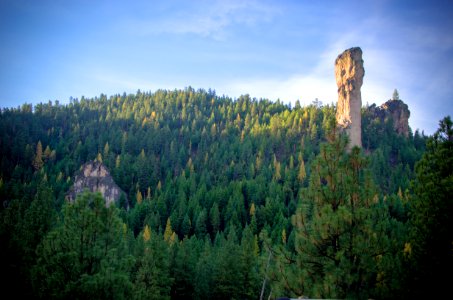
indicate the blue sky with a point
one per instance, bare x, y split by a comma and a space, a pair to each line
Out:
54, 50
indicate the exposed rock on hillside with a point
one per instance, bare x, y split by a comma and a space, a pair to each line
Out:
399, 112
349, 74
95, 177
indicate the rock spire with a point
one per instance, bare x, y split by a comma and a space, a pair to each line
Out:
349, 74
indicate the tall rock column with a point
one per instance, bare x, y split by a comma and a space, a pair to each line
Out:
349, 74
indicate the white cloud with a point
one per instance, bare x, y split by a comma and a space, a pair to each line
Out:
206, 18
397, 54
303, 88
319, 82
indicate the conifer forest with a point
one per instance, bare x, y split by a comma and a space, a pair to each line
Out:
221, 198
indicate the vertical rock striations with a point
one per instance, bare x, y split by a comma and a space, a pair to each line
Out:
349, 74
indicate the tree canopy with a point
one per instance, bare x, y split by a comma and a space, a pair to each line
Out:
228, 198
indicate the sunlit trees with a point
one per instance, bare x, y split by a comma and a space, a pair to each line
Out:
38, 159
204, 176
338, 233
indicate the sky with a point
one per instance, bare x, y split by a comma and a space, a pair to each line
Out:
56, 49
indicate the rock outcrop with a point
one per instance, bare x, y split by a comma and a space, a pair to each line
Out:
397, 111
95, 177
349, 74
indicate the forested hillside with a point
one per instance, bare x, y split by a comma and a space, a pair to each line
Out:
226, 199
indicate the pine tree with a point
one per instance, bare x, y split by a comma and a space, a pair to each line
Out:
249, 265
430, 245
168, 231
200, 225
153, 280
37, 161
118, 161
148, 193
229, 270
139, 197
86, 255
204, 273
38, 219
186, 226
301, 174
106, 149
335, 240
214, 217
252, 210
277, 169
146, 233
47, 153
184, 268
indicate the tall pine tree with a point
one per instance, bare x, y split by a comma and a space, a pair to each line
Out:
430, 246
336, 244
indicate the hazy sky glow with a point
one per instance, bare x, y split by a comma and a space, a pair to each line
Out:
52, 50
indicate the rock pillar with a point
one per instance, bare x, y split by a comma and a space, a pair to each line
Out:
349, 74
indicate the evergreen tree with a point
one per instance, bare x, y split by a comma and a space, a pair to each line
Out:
430, 245
301, 174
168, 231
186, 226
37, 161
153, 279
38, 220
249, 265
86, 255
200, 225
184, 267
336, 243
146, 234
214, 217
139, 197
204, 273
228, 271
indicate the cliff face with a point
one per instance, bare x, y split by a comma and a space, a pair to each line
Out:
349, 74
95, 177
397, 111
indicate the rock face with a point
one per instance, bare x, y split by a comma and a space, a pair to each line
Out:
396, 110
399, 112
349, 74
95, 177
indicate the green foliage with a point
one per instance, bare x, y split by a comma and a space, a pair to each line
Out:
430, 245
86, 255
37, 161
23, 225
38, 220
204, 176
341, 231
183, 268
152, 280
